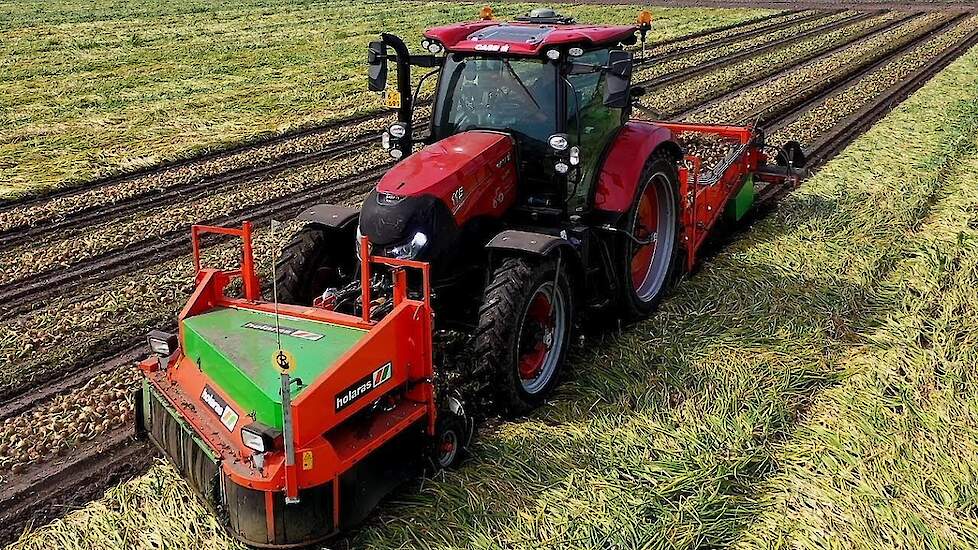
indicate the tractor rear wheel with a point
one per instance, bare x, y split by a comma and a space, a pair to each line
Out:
524, 331
648, 259
314, 259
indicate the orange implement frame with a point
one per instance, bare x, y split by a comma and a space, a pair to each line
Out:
326, 445
247, 271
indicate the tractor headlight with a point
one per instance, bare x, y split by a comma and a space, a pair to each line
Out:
396, 153
411, 249
561, 167
553, 54
259, 437
558, 142
397, 130
434, 47
162, 343
575, 52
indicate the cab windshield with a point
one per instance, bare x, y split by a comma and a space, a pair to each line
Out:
514, 95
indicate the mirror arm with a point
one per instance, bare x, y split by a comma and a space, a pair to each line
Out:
406, 110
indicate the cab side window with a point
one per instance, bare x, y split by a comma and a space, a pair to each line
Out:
590, 125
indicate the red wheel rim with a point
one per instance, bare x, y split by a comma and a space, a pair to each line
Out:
537, 337
646, 224
447, 448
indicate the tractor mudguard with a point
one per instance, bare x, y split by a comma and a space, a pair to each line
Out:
330, 215
539, 244
514, 242
618, 180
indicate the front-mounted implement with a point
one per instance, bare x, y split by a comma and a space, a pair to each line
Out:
362, 417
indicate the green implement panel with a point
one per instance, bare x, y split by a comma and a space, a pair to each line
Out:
236, 348
743, 201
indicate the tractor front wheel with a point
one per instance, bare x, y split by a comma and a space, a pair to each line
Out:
648, 252
315, 259
524, 330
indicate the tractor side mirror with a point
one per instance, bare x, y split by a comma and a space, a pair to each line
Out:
377, 66
619, 79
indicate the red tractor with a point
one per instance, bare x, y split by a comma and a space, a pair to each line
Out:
534, 197
453, 291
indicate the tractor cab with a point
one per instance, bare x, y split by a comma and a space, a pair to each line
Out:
560, 91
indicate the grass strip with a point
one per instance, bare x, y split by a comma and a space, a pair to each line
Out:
888, 457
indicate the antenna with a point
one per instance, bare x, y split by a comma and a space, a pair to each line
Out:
284, 364
278, 328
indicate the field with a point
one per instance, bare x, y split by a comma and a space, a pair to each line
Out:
825, 399
803, 419
88, 93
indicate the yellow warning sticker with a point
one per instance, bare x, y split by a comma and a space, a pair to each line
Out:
307, 460
393, 99
283, 360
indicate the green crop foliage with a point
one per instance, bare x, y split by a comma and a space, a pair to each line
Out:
811, 386
88, 90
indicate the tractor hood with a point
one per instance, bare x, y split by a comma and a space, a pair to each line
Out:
437, 190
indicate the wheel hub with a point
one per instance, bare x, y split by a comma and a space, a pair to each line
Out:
646, 223
447, 447
654, 226
540, 339
537, 338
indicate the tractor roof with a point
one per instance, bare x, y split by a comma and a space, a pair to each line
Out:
528, 35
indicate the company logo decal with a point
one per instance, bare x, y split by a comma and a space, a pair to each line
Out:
499, 198
293, 332
363, 386
220, 407
458, 196
492, 47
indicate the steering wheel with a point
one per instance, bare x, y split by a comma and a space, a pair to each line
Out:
507, 109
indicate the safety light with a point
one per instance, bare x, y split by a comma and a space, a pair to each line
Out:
385, 140
575, 52
485, 13
561, 167
162, 343
398, 130
259, 437
396, 153
645, 17
575, 155
553, 54
558, 142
